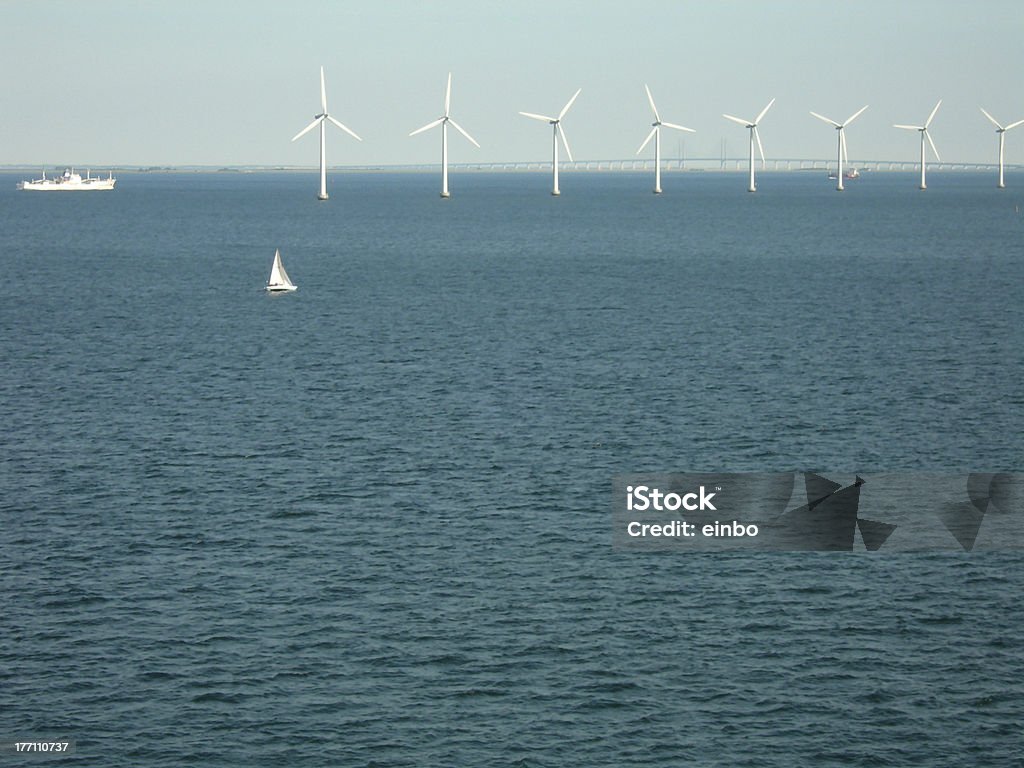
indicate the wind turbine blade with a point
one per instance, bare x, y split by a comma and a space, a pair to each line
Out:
992, 119
539, 117
744, 123
764, 112
323, 93
308, 128
910, 127
568, 104
679, 127
347, 130
650, 98
462, 130
932, 115
933, 146
428, 126
647, 141
842, 143
565, 141
1013, 125
827, 120
448, 96
855, 115
759, 147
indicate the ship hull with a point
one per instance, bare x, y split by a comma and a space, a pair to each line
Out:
51, 186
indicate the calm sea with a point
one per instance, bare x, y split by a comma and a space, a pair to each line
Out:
367, 523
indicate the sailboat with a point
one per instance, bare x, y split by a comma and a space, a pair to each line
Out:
279, 280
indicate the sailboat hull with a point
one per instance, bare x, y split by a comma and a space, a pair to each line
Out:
281, 288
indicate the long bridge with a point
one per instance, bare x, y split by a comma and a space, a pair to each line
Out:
696, 164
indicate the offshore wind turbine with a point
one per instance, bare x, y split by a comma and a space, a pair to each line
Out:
841, 151
751, 125
1001, 130
924, 135
557, 130
656, 135
321, 120
443, 121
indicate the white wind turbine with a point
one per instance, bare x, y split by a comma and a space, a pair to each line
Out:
443, 121
656, 135
752, 126
557, 130
924, 135
1001, 130
319, 120
841, 127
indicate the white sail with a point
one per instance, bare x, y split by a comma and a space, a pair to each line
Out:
279, 280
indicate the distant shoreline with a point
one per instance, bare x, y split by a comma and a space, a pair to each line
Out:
696, 165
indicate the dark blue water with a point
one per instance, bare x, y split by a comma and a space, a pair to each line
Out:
368, 523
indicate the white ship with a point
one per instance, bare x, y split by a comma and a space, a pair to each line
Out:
69, 181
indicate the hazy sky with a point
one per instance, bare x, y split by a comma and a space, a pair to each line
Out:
231, 81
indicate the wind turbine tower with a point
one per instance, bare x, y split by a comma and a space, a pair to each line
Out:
751, 125
656, 135
320, 120
444, 121
841, 128
1001, 130
923, 129
557, 131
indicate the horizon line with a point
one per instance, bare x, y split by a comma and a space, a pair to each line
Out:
616, 165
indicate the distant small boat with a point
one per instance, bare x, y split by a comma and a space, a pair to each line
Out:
279, 280
69, 181
849, 173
